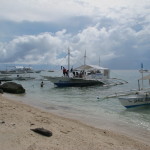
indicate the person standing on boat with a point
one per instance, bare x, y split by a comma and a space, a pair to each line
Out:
64, 71
74, 74
67, 73
71, 70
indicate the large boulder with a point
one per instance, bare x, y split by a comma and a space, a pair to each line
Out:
12, 87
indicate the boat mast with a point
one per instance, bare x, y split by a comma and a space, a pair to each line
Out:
85, 58
68, 61
142, 73
99, 61
84, 64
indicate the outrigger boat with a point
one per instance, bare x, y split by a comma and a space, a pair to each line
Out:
140, 98
85, 75
134, 98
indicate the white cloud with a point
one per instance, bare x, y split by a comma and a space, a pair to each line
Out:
107, 44
39, 10
55, 10
116, 30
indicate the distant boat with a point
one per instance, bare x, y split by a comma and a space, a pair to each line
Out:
85, 75
24, 78
6, 78
18, 70
37, 71
4, 75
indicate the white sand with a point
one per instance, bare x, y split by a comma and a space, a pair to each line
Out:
16, 120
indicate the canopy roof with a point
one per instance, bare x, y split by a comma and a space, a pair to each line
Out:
145, 78
90, 67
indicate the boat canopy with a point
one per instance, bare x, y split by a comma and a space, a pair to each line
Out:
90, 68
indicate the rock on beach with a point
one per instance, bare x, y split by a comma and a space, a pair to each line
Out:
12, 87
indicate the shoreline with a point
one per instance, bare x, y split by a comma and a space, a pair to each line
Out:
17, 118
102, 122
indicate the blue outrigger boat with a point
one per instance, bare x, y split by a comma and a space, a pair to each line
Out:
85, 75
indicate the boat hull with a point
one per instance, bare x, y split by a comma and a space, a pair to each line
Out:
6, 79
73, 82
135, 101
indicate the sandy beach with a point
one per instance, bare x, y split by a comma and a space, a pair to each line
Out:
17, 120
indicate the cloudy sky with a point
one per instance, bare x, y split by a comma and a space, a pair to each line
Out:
40, 32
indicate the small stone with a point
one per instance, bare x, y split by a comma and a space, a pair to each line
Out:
42, 131
13, 124
1, 121
32, 124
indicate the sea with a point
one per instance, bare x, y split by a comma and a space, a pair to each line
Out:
88, 104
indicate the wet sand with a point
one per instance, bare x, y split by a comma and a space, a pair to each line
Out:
17, 120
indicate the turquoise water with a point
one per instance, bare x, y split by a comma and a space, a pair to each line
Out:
83, 103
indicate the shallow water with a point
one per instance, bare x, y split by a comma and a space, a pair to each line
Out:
87, 104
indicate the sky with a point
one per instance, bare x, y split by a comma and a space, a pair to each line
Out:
115, 33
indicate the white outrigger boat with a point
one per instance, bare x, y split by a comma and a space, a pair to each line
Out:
134, 98
140, 98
